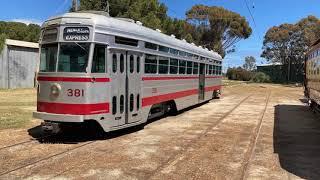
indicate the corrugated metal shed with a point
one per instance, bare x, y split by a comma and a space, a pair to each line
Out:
18, 64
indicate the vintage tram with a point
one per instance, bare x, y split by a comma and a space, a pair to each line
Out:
312, 76
117, 72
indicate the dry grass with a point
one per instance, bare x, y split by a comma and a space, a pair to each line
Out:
16, 107
227, 82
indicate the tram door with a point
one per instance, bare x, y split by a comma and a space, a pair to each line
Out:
125, 86
201, 81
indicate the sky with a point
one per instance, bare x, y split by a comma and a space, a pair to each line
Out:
266, 13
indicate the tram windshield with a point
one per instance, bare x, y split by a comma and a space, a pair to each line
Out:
73, 57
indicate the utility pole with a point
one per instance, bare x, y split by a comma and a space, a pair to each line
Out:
75, 5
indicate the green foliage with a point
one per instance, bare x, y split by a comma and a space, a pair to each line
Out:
220, 28
250, 63
239, 74
2, 41
18, 31
212, 27
260, 77
287, 43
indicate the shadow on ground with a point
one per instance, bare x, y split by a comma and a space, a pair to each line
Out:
91, 132
297, 140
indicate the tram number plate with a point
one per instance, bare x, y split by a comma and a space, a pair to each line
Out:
75, 92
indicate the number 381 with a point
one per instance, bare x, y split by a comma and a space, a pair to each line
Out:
75, 92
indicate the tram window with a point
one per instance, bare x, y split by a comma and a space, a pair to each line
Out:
210, 69
189, 55
138, 102
163, 65
131, 102
214, 70
173, 66
150, 46
207, 68
195, 57
150, 65
126, 41
163, 49
174, 51
182, 67
48, 58
182, 53
121, 63
98, 62
195, 68
138, 64
189, 67
131, 63
73, 57
114, 105
121, 104
114, 63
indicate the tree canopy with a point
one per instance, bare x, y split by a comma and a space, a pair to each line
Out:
18, 31
249, 63
288, 43
212, 27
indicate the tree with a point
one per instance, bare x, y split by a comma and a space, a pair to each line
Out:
250, 63
220, 28
288, 44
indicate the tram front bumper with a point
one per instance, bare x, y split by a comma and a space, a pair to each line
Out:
58, 117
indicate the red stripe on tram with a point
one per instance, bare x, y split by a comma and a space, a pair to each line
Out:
73, 109
73, 79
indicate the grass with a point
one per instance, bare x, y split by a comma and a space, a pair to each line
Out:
16, 107
227, 82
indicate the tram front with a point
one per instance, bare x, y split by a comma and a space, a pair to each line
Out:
72, 79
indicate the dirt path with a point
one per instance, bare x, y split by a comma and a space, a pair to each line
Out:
253, 132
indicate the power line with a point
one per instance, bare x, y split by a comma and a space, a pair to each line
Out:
254, 21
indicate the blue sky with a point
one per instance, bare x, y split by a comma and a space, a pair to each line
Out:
267, 13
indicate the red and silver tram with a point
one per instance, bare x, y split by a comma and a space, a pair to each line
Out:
118, 72
312, 76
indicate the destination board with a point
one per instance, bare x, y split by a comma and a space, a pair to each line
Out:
76, 34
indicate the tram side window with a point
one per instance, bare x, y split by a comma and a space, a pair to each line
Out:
163, 65
195, 68
126, 41
131, 102
150, 46
48, 58
163, 49
99, 59
138, 64
121, 63
121, 104
189, 67
138, 102
114, 63
182, 67
173, 66
114, 105
131, 63
150, 65
210, 69
207, 69
214, 70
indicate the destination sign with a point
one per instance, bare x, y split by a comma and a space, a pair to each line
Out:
76, 34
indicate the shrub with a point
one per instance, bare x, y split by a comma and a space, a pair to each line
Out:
260, 77
239, 74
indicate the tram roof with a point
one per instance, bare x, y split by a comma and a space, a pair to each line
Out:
134, 30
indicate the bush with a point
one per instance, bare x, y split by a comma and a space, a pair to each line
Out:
239, 74
260, 77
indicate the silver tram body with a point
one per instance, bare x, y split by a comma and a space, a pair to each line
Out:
118, 73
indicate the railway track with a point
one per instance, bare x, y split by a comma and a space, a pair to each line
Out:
25, 142
253, 142
185, 148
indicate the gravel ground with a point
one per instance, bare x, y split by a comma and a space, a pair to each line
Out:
255, 131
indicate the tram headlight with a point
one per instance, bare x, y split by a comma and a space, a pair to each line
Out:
55, 90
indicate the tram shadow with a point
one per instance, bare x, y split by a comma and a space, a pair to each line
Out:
296, 139
78, 134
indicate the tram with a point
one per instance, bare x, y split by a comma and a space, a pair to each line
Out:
312, 76
118, 73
